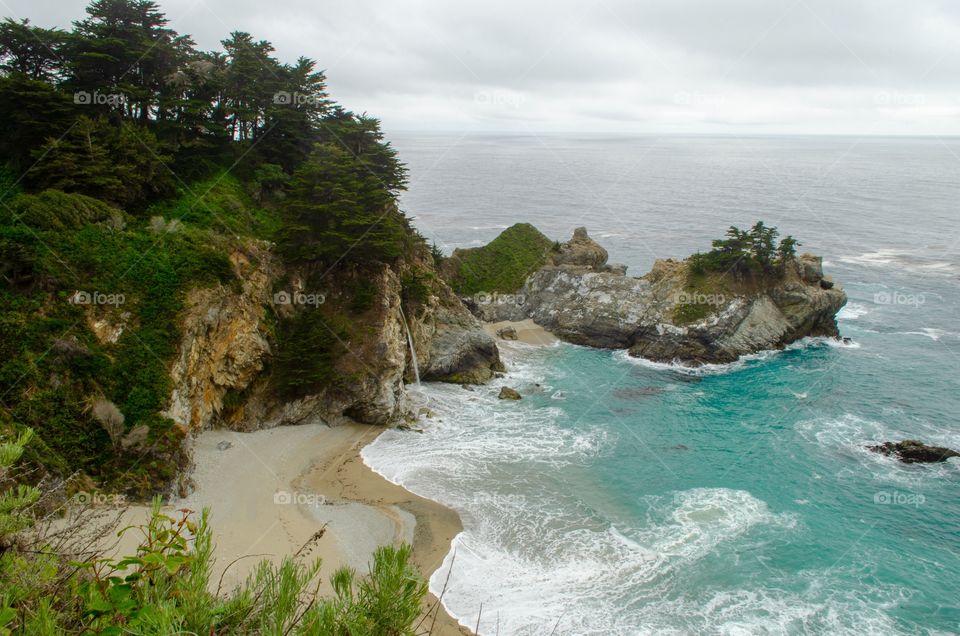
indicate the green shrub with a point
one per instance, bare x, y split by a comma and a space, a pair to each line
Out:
309, 345
503, 264
415, 287
56, 210
364, 293
164, 587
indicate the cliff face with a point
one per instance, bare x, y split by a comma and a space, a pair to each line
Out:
668, 314
224, 344
223, 375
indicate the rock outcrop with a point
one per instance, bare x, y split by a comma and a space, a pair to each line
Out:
662, 316
222, 373
224, 344
913, 452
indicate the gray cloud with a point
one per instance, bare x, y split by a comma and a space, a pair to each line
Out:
858, 66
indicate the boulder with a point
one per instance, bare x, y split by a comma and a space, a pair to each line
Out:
506, 393
459, 351
910, 451
581, 251
811, 268
507, 333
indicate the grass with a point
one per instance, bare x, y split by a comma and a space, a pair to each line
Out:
220, 202
503, 264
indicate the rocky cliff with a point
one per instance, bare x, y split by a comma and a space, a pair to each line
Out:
224, 372
670, 313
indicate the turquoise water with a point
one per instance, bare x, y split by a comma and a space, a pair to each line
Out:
623, 497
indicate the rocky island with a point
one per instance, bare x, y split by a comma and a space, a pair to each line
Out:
678, 311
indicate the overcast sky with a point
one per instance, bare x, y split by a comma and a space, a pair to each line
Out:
742, 66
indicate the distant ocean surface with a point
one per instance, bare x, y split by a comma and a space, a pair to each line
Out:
624, 497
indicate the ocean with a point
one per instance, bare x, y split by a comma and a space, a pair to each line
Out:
625, 497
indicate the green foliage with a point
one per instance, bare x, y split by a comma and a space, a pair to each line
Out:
437, 255
364, 293
386, 602
689, 313
219, 202
122, 164
56, 210
415, 287
53, 245
29, 51
127, 162
164, 588
309, 345
15, 499
339, 209
504, 263
742, 252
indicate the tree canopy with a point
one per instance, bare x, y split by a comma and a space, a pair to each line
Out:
743, 251
123, 108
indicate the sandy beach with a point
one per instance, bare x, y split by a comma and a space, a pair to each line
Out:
528, 332
304, 490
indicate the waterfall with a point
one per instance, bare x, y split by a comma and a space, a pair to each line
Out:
413, 352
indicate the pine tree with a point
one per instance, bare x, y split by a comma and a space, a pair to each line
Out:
338, 209
34, 52
119, 164
124, 47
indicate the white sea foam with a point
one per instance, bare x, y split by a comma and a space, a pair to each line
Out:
930, 332
878, 258
849, 436
852, 311
745, 360
534, 553
902, 259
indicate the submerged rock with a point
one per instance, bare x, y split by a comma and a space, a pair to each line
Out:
636, 392
506, 393
910, 451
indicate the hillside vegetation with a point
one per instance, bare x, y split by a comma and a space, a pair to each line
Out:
501, 265
133, 166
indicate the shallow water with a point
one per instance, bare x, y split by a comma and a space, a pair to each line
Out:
624, 497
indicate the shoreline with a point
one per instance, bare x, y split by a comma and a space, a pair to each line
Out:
304, 491
528, 332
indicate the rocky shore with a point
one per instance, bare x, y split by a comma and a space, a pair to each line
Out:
668, 314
